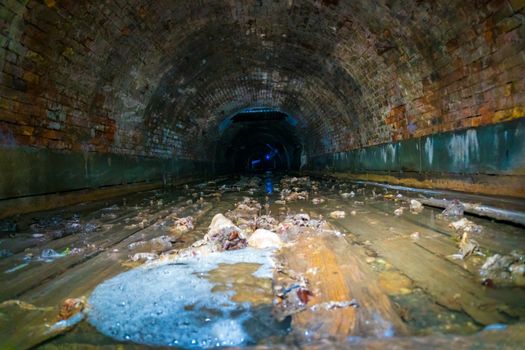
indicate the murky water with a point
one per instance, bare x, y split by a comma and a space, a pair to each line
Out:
97, 251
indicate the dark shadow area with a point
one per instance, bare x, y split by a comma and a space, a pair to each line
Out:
260, 140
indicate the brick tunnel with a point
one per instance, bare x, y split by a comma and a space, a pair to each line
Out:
338, 103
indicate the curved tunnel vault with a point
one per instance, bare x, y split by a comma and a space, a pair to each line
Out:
143, 87
124, 127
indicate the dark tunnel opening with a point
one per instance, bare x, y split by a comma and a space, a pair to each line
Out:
260, 139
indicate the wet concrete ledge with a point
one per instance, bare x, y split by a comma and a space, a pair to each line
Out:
487, 160
503, 186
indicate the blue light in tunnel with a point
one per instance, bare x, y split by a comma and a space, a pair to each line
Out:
268, 185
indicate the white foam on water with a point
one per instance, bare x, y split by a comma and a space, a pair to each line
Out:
172, 304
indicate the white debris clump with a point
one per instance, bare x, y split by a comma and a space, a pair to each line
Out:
466, 225
416, 206
262, 238
348, 195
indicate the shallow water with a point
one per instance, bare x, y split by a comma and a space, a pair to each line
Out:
434, 294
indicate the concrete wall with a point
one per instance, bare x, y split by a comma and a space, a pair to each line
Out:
471, 155
29, 171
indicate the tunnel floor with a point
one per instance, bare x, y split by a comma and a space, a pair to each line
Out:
351, 264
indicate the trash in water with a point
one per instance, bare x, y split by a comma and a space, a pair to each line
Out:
16, 268
304, 295
467, 247
466, 225
338, 214
317, 201
72, 227
415, 235
335, 305
23, 305
70, 307
416, 206
266, 222
143, 257
56, 227
160, 244
49, 255
64, 325
504, 270
224, 234
182, 225
291, 298
398, 212
495, 327
454, 209
135, 245
91, 227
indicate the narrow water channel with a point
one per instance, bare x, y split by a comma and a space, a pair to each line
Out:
364, 267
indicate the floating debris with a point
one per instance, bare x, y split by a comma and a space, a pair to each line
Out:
266, 222
317, 201
292, 298
291, 196
504, 269
338, 214
50, 255
495, 327
135, 245
160, 244
143, 257
224, 235
467, 247
299, 220
17, 267
454, 209
70, 307
92, 227
335, 305
182, 225
416, 206
466, 225
415, 235
64, 325
23, 305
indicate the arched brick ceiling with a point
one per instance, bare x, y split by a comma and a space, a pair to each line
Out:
157, 77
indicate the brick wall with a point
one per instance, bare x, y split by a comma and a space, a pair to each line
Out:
155, 78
